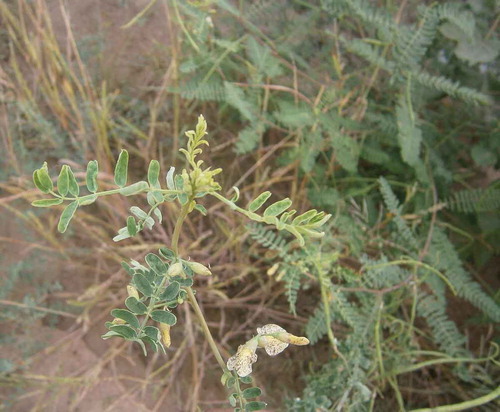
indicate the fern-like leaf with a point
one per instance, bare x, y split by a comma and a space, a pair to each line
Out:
476, 200
451, 88
368, 52
445, 258
444, 331
411, 45
204, 91
409, 134
392, 204
269, 238
316, 325
235, 96
456, 14
292, 277
249, 138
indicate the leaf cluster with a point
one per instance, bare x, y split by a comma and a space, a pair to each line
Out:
154, 290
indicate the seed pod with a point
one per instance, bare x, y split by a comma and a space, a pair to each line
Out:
199, 269
165, 334
132, 291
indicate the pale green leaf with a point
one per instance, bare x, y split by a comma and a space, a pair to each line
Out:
170, 292
127, 316
63, 181
66, 216
74, 188
125, 331
91, 177
131, 226
279, 207
121, 169
259, 201
154, 173
156, 264
135, 306
134, 189
250, 393
46, 202
143, 285
164, 316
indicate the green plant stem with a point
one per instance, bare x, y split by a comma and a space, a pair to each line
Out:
189, 290
415, 263
206, 330
326, 307
184, 29
440, 361
241, 399
114, 192
271, 220
138, 16
175, 244
233, 206
463, 405
178, 226
394, 384
378, 346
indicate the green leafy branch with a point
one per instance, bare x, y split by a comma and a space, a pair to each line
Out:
304, 225
67, 184
167, 279
154, 290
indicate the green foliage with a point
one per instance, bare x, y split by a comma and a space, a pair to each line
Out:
476, 200
259, 201
316, 324
450, 87
121, 169
444, 331
383, 112
409, 136
91, 176
369, 108
292, 264
392, 205
42, 180
66, 216
444, 257
166, 281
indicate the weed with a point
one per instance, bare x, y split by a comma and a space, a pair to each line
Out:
168, 279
